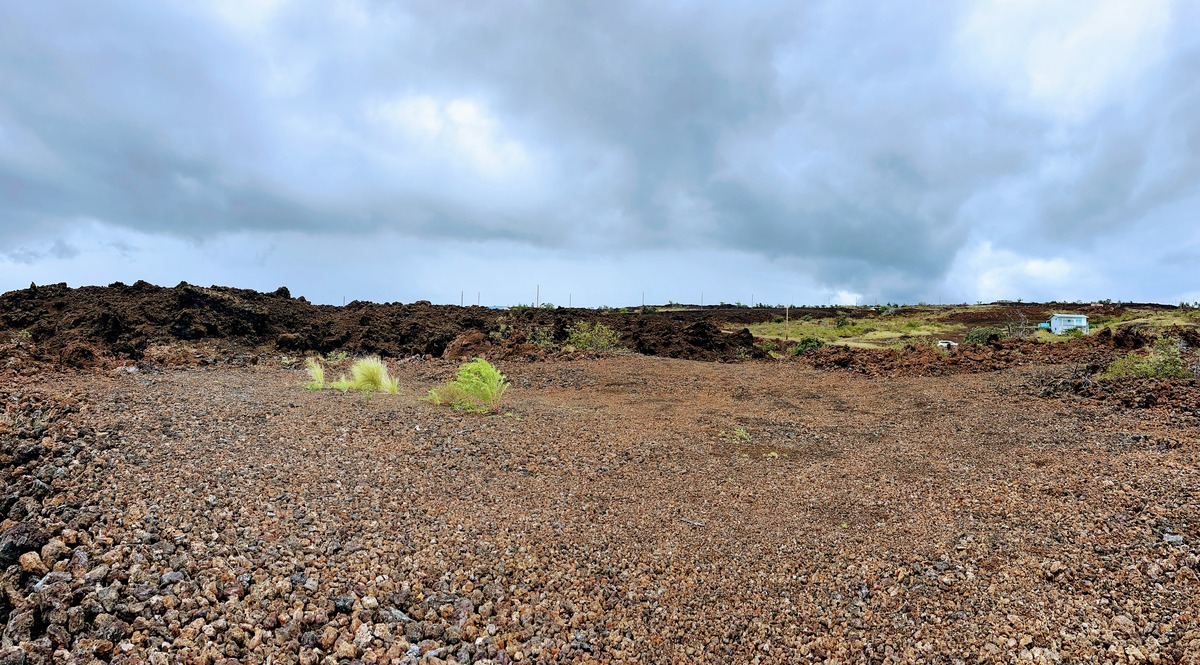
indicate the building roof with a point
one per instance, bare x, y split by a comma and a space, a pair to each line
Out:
1081, 315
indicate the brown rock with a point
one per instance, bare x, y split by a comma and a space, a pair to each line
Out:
31, 563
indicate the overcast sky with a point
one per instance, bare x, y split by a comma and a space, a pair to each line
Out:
803, 152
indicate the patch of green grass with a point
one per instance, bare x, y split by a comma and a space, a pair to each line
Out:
871, 332
1151, 318
478, 386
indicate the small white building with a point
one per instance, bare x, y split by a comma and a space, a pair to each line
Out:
1061, 323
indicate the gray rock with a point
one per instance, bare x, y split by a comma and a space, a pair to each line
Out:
96, 575
343, 604
12, 656
109, 627
108, 597
1172, 538
18, 539
172, 577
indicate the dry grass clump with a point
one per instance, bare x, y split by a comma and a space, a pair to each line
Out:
368, 375
316, 372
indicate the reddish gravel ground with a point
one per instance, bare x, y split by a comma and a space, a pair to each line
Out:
628, 509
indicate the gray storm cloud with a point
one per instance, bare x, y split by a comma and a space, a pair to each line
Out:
867, 147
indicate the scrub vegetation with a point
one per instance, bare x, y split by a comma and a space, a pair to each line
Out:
1164, 360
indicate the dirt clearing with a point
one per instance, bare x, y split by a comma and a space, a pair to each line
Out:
629, 509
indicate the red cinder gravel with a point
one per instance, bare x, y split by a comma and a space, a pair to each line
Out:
626, 509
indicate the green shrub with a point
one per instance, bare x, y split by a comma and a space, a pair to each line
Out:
768, 346
316, 372
336, 357
1074, 333
806, 344
370, 375
586, 336
478, 386
984, 335
1162, 361
543, 337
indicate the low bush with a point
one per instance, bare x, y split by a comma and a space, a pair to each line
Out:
768, 346
478, 386
1163, 361
543, 337
984, 335
806, 344
586, 336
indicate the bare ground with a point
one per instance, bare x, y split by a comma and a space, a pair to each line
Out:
618, 514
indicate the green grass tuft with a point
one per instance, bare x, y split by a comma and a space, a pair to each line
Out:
478, 386
451, 395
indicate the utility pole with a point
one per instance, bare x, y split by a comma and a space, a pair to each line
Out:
537, 298
569, 303
477, 298
461, 296
787, 322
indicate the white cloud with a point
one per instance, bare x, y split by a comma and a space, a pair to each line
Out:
247, 14
985, 273
1068, 56
457, 127
501, 272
